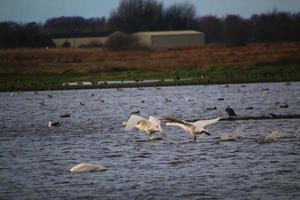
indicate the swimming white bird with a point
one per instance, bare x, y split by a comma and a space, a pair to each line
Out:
187, 99
194, 128
50, 124
87, 167
272, 137
13, 94
264, 91
234, 137
149, 126
225, 137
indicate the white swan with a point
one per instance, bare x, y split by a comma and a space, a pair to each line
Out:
264, 91
87, 167
195, 128
271, 137
149, 126
226, 137
236, 136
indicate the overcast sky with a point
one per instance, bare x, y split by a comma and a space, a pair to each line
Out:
41, 10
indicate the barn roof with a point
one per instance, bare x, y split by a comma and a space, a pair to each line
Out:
185, 32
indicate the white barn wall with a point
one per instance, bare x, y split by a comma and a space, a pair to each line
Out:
171, 38
161, 39
177, 41
79, 42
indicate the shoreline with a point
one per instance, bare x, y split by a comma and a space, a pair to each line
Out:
10, 82
142, 85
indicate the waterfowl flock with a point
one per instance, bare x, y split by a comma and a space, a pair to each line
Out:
199, 127
154, 125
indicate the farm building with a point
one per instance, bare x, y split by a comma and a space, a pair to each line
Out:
187, 38
163, 39
75, 40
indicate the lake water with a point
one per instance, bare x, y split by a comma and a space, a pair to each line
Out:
35, 159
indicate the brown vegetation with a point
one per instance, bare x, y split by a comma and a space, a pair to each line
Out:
98, 60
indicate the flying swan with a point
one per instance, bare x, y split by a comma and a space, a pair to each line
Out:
194, 128
149, 126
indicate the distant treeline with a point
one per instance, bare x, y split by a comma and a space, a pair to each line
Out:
150, 15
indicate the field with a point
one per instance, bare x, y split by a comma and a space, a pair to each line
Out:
41, 69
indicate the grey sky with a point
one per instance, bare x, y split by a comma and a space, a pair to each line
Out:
41, 10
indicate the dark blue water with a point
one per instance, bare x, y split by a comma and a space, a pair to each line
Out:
35, 159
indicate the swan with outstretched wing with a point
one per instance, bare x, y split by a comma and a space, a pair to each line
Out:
149, 126
193, 128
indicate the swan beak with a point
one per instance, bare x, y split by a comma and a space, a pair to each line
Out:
207, 133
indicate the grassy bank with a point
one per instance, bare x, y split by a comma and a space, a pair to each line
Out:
41, 69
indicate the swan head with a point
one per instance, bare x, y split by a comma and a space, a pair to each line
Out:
124, 124
140, 124
205, 131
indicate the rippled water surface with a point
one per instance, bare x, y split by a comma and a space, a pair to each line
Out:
35, 159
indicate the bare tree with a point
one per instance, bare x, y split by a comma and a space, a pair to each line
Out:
212, 26
180, 16
136, 15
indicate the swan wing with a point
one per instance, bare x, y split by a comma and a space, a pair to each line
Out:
172, 119
132, 121
180, 125
155, 122
202, 123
